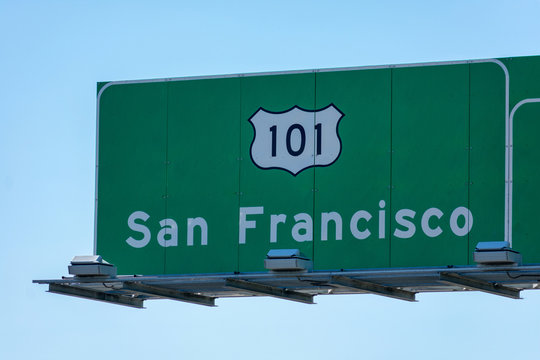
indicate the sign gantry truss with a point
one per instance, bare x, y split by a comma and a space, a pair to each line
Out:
402, 284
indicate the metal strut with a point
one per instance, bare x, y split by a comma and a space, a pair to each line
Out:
169, 293
274, 291
374, 288
96, 295
480, 285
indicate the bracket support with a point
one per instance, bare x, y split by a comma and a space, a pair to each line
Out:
374, 288
168, 293
262, 289
480, 285
96, 295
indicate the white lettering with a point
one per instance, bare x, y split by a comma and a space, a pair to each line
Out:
325, 219
400, 219
431, 232
203, 226
362, 214
466, 213
382, 220
460, 222
138, 215
305, 223
274, 221
170, 228
248, 224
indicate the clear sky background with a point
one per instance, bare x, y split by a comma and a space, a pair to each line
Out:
52, 54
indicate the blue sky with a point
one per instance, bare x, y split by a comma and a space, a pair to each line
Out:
53, 53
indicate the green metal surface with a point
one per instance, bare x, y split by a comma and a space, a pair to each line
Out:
430, 140
487, 147
524, 75
132, 173
360, 179
277, 191
526, 181
525, 84
416, 175
202, 149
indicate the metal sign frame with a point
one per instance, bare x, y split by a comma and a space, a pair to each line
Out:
402, 284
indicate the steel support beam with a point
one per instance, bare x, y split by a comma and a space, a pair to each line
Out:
373, 288
169, 293
480, 285
262, 289
96, 295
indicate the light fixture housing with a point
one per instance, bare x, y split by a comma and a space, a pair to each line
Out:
496, 253
287, 260
91, 265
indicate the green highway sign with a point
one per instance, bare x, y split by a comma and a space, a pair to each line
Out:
374, 167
